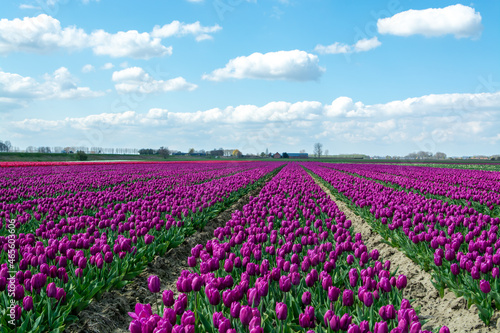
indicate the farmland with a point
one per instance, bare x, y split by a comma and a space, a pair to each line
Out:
304, 246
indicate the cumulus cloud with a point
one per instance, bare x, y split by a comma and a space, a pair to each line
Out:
362, 45
415, 106
292, 65
88, 68
43, 34
59, 85
107, 65
179, 29
135, 79
445, 120
458, 20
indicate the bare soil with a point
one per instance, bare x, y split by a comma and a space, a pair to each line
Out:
110, 313
449, 310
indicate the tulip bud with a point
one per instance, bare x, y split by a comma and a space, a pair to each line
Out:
348, 297
306, 298
485, 286
154, 283
281, 311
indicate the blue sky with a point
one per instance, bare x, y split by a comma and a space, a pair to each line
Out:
374, 77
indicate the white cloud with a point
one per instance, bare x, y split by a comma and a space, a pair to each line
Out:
445, 120
179, 29
88, 68
362, 45
26, 6
135, 79
128, 44
43, 34
292, 65
458, 20
58, 85
107, 65
427, 105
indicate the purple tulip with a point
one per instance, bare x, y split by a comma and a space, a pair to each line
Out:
246, 315
306, 298
455, 269
333, 293
415, 327
335, 323
304, 320
281, 311
135, 326
168, 297
485, 286
285, 283
368, 299
345, 321
353, 328
235, 309
381, 327
348, 297
154, 284
213, 295
444, 329
28, 303
188, 318
401, 282
353, 277
61, 295
51, 290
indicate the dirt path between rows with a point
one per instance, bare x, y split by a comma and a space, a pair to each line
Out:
449, 310
109, 314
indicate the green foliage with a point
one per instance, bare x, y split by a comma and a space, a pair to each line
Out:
81, 155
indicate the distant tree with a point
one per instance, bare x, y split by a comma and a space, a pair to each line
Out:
31, 149
191, 151
163, 152
440, 156
262, 154
285, 155
237, 153
302, 151
147, 151
8, 144
411, 156
318, 149
81, 155
44, 149
422, 155
326, 152
3, 147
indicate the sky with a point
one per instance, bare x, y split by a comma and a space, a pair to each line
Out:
370, 77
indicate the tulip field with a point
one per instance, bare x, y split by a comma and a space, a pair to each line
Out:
288, 261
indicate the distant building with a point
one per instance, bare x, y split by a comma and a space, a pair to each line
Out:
298, 155
277, 155
228, 152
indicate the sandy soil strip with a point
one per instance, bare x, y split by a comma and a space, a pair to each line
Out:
109, 314
449, 310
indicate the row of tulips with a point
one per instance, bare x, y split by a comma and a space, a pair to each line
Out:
287, 262
21, 184
479, 189
83, 256
75, 203
459, 245
17, 164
